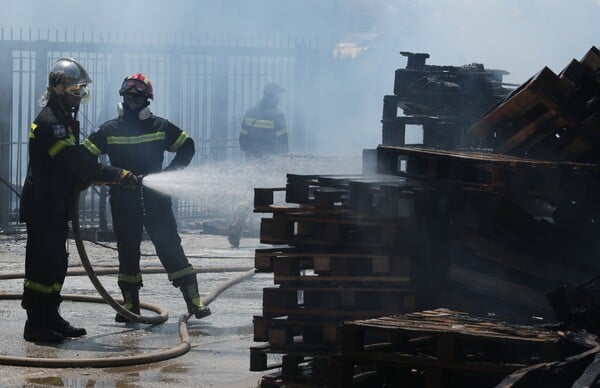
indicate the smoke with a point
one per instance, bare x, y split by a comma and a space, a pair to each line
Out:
520, 36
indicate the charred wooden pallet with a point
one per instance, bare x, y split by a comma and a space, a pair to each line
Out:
530, 115
491, 172
266, 259
301, 189
315, 269
369, 196
316, 230
442, 345
306, 301
581, 143
290, 261
549, 116
284, 332
319, 289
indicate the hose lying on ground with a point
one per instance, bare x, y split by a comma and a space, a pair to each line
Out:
162, 316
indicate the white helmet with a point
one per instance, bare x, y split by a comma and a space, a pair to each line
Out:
74, 78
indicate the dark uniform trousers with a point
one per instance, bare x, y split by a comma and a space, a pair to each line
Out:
132, 210
46, 260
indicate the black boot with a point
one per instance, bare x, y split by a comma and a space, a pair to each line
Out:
62, 326
38, 328
131, 298
189, 289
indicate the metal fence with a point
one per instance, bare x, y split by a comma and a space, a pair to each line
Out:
204, 86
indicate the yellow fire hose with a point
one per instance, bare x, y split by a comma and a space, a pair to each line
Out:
105, 297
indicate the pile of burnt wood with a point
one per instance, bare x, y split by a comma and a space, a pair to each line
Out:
505, 233
442, 100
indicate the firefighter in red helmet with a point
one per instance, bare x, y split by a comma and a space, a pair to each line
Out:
58, 167
138, 139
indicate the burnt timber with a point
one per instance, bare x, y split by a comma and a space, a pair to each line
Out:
488, 231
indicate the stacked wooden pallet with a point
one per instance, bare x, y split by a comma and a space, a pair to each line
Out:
430, 230
551, 116
336, 264
494, 217
441, 101
472, 231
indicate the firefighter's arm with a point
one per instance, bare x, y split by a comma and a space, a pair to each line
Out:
86, 168
183, 154
89, 151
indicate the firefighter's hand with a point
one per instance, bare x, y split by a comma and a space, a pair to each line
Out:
128, 180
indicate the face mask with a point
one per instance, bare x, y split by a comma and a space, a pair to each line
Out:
143, 114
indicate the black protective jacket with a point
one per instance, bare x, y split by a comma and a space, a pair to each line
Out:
139, 145
263, 130
58, 165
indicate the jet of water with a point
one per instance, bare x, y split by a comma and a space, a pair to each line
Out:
238, 179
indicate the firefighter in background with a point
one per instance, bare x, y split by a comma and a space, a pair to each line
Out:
263, 133
58, 168
263, 129
138, 139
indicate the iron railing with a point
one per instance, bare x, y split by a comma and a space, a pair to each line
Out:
202, 85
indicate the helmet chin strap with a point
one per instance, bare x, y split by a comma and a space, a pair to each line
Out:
143, 114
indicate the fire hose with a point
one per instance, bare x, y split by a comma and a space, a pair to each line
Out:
100, 362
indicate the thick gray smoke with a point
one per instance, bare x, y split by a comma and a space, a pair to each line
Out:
520, 36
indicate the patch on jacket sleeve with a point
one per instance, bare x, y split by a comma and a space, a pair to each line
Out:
60, 132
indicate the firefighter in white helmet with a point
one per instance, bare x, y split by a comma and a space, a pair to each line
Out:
58, 167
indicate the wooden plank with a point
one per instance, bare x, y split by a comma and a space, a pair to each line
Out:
344, 280
493, 172
290, 299
340, 263
317, 331
304, 312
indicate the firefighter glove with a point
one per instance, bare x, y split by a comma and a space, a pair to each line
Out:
128, 180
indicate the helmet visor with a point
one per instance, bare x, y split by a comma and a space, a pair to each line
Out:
77, 90
134, 86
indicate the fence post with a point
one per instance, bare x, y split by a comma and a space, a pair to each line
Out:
106, 112
305, 75
219, 108
174, 82
6, 91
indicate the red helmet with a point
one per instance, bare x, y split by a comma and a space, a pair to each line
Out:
137, 84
